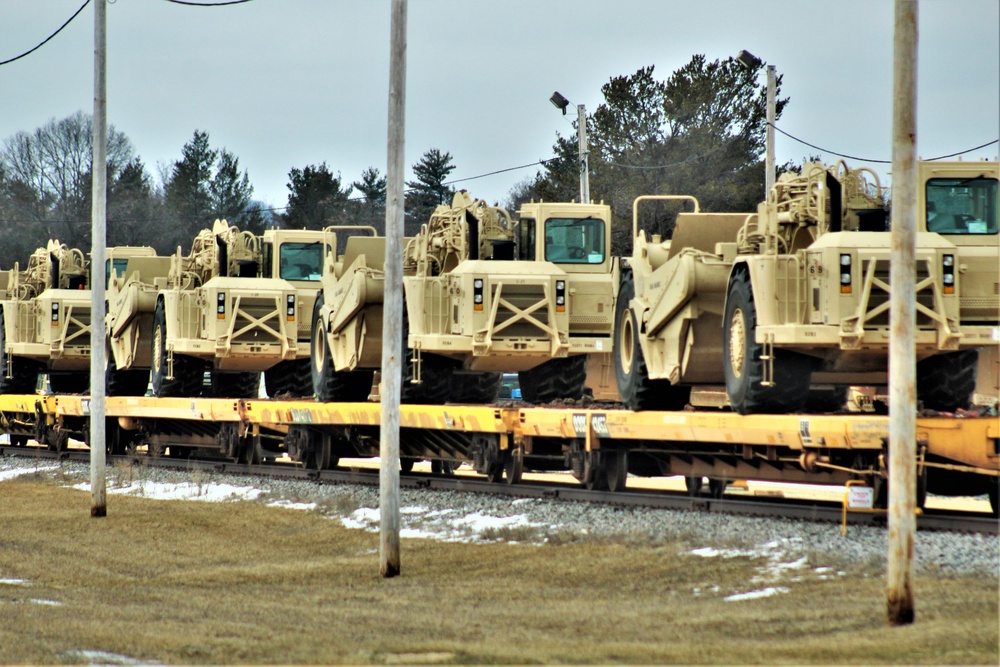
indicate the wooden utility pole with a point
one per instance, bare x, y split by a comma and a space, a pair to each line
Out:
581, 131
769, 155
98, 226
392, 335
902, 317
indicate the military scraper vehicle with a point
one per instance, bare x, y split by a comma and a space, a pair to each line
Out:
789, 306
483, 296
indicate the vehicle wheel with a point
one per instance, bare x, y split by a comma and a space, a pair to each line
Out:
826, 400
292, 378
321, 455
23, 373
495, 473
616, 469
637, 391
329, 385
436, 376
70, 383
124, 382
406, 464
717, 487
188, 371
693, 484
994, 493
556, 379
235, 385
476, 388
946, 381
744, 367
19, 440
439, 467
513, 465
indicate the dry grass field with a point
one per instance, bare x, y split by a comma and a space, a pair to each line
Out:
197, 583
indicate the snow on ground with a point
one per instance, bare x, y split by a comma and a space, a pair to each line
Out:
213, 493
18, 472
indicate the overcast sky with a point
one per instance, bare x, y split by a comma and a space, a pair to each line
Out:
289, 83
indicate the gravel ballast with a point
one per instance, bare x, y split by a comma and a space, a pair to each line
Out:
461, 516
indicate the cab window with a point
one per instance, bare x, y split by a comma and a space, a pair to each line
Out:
574, 240
301, 261
962, 205
119, 265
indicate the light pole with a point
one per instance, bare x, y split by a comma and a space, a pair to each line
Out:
750, 61
561, 103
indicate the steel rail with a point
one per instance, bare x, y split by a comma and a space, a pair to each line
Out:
771, 507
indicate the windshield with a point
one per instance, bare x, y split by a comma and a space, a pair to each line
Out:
119, 267
574, 240
962, 205
301, 261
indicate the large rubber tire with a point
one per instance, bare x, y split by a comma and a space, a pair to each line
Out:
826, 400
329, 385
189, 372
235, 385
70, 382
23, 373
637, 391
946, 381
124, 382
292, 378
556, 379
476, 388
436, 376
744, 368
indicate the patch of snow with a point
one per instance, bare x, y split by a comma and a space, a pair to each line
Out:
18, 472
14, 582
182, 491
101, 658
288, 504
763, 593
48, 603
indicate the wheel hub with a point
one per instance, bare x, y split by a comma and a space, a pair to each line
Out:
626, 342
737, 343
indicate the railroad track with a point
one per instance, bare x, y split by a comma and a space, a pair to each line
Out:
774, 507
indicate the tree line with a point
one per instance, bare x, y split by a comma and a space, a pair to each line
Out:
700, 131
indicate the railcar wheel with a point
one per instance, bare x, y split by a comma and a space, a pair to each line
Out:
513, 465
406, 464
743, 360
495, 473
717, 487
616, 469
321, 455
994, 494
637, 391
19, 440
693, 484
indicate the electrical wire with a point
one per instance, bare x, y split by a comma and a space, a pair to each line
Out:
861, 159
208, 4
26, 53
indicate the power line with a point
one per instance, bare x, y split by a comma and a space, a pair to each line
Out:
26, 53
861, 159
208, 4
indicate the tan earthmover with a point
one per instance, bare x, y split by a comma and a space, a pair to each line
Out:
46, 319
788, 306
170, 319
483, 295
